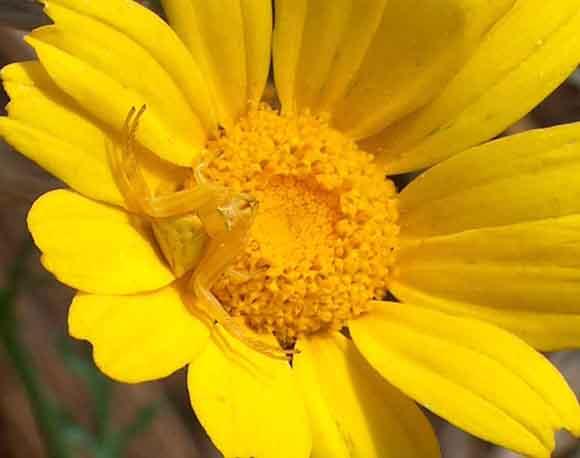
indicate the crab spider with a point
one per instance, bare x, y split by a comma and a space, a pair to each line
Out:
226, 218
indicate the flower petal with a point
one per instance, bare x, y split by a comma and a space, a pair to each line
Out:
103, 68
248, 403
290, 34
141, 337
475, 375
230, 40
499, 232
522, 58
51, 129
547, 331
92, 41
150, 32
523, 177
370, 63
94, 247
43, 126
529, 266
353, 412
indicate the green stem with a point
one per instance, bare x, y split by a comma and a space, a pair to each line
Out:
102, 395
44, 411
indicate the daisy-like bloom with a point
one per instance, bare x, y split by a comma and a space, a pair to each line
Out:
221, 227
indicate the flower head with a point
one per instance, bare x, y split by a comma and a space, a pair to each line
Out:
211, 224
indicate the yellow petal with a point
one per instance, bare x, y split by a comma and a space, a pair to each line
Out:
477, 376
547, 331
94, 247
522, 58
103, 70
43, 126
531, 266
496, 228
110, 102
353, 412
49, 128
230, 42
248, 403
520, 178
141, 337
92, 41
286, 47
370, 63
151, 33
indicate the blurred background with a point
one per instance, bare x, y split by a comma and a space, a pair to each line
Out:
54, 402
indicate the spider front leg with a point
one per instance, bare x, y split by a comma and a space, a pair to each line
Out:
125, 166
173, 217
131, 182
221, 252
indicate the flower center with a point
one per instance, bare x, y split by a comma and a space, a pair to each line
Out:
322, 243
295, 223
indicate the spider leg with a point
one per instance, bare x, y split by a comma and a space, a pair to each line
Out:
185, 201
237, 275
125, 166
202, 165
220, 254
131, 182
218, 257
198, 173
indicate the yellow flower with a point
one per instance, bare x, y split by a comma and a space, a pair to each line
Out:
176, 265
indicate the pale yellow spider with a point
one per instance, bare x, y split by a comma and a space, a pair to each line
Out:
226, 218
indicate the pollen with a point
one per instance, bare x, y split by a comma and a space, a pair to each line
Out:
322, 244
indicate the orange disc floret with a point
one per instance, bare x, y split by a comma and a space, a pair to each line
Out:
323, 241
